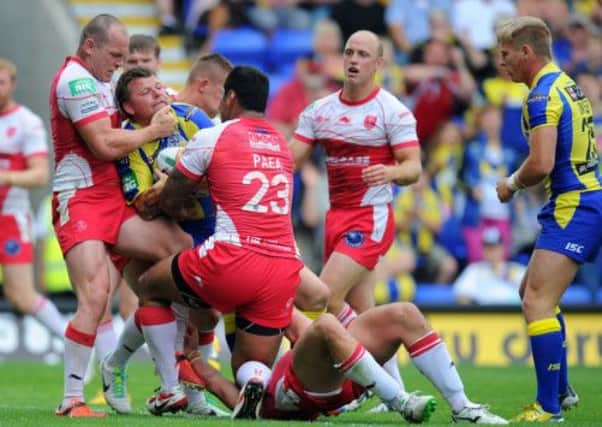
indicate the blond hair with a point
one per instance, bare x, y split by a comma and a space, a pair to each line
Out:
205, 64
9, 66
526, 30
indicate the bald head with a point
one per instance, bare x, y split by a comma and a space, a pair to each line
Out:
99, 28
369, 40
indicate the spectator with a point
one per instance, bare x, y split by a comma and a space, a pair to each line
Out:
328, 49
269, 15
408, 21
486, 162
418, 219
493, 280
355, 15
475, 20
440, 87
578, 33
592, 61
168, 17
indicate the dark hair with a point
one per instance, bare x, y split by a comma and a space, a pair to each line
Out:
251, 87
122, 92
98, 28
143, 42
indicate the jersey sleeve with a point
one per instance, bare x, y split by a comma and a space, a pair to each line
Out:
543, 109
79, 99
197, 155
35, 139
400, 126
305, 127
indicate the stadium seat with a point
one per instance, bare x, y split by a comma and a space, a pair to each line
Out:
286, 46
276, 82
599, 296
432, 294
242, 46
577, 295
450, 237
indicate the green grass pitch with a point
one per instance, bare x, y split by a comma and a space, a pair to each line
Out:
29, 392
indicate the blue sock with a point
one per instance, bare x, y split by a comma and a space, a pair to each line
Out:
564, 375
546, 346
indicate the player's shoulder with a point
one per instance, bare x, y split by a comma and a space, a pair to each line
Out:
210, 135
27, 116
390, 101
76, 81
332, 98
191, 113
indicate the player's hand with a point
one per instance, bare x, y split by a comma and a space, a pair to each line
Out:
504, 192
5, 178
147, 205
164, 121
377, 175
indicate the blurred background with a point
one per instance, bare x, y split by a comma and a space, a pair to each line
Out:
457, 247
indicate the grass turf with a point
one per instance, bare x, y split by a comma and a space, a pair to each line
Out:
30, 392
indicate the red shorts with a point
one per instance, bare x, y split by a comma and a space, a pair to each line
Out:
286, 398
15, 239
365, 234
258, 287
93, 213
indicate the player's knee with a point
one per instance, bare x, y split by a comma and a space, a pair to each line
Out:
327, 326
316, 300
408, 316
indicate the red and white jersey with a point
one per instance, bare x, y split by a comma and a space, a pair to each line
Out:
250, 173
356, 135
22, 136
78, 98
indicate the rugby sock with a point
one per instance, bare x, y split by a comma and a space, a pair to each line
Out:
78, 349
230, 329
206, 343
313, 315
546, 345
106, 340
253, 370
159, 330
361, 368
181, 313
563, 382
430, 356
392, 368
130, 340
346, 315
46, 312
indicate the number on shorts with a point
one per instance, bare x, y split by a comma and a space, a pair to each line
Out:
254, 205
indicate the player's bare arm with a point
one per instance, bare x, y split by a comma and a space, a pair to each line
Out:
405, 172
177, 198
35, 175
538, 165
301, 151
147, 203
109, 144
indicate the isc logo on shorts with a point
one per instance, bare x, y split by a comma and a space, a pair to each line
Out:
12, 247
574, 247
354, 239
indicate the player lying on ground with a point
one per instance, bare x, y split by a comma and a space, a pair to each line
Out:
330, 366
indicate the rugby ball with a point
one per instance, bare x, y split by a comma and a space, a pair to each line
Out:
167, 158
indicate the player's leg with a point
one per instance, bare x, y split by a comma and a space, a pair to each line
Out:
383, 329
327, 353
88, 266
20, 292
548, 275
312, 294
341, 273
128, 301
151, 240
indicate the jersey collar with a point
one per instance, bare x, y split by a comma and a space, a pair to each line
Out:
550, 67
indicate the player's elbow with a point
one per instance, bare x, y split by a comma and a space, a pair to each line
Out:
541, 168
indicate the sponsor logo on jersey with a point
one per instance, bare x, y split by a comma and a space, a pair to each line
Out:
574, 247
83, 86
354, 239
88, 107
11, 131
12, 247
575, 92
537, 97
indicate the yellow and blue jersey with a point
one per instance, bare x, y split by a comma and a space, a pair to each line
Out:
136, 170
571, 222
555, 100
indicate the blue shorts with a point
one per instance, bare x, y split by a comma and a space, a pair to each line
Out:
199, 229
571, 224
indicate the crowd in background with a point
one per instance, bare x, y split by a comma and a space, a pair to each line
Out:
440, 60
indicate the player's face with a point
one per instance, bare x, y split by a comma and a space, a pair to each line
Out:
511, 62
142, 58
147, 96
106, 58
214, 93
7, 88
360, 59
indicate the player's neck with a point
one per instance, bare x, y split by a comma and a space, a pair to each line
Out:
532, 72
251, 114
186, 96
8, 106
355, 93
